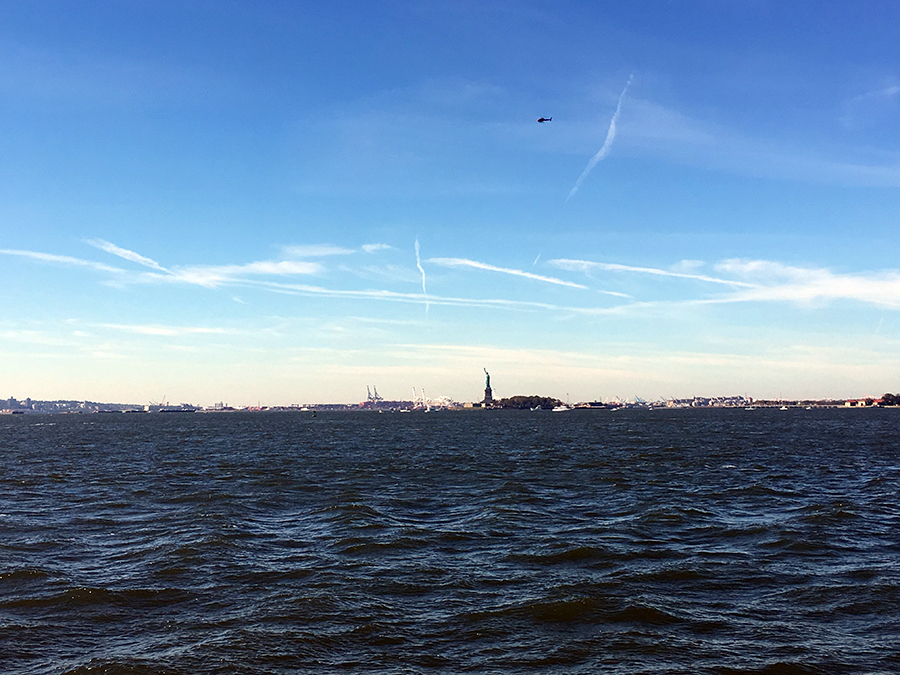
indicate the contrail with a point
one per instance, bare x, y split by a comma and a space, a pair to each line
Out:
422, 270
607, 144
463, 262
126, 254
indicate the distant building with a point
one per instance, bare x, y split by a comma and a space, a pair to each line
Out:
859, 403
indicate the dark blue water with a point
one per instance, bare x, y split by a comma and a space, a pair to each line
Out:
685, 541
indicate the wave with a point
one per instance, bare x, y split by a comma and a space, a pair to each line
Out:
103, 667
85, 597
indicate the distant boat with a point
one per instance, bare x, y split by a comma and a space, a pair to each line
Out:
563, 407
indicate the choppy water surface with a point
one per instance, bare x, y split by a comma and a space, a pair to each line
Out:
710, 541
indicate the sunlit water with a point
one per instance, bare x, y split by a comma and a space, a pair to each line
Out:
684, 541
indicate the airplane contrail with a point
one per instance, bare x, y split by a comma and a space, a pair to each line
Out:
607, 144
463, 262
109, 247
422, 270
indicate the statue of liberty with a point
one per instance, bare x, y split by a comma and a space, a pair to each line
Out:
488, 394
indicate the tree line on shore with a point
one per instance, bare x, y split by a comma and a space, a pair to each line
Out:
528, 402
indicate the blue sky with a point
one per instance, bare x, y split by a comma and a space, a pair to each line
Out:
284, 202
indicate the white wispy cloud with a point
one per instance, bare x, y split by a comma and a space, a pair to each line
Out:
763, 281
208, 276
211, 276
607, 144
656, 130
62, 260
872, 107
314, 251
167, 331
777, 282
125, 253
422, 270
419, 298
588, 266
24, 336
686, 266
464, 262
372, 248
881, 93
746, 281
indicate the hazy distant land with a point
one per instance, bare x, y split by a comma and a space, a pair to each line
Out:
31, 406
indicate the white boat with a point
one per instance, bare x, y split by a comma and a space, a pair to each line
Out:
562, 407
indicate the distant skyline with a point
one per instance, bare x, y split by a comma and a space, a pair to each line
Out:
285, 202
